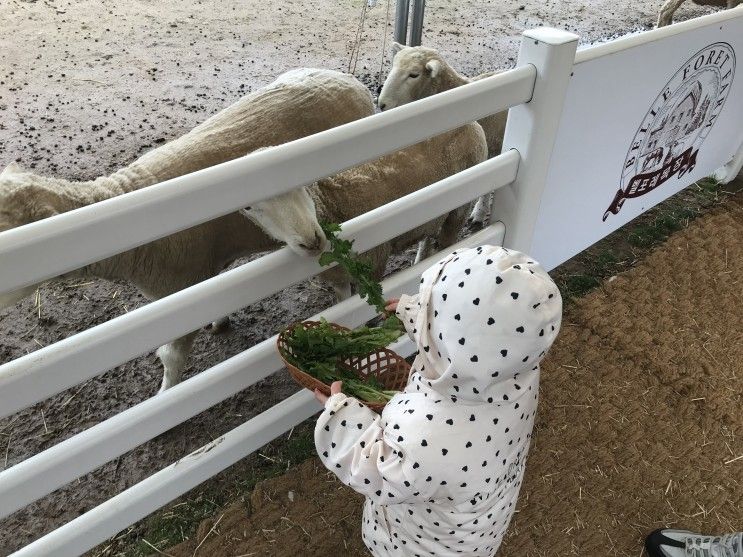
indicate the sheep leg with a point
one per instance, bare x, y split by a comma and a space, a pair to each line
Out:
339, 282
379, 257
173, 357
480, 211
665, 16
424, 248
342, 290
451, 226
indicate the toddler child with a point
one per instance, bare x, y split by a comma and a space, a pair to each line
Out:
442, 466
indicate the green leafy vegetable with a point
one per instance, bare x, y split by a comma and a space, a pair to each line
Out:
359, 269
319, 350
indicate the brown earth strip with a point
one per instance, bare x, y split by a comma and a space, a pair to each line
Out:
640, 423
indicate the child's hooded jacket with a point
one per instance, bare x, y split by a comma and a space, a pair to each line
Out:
442, 466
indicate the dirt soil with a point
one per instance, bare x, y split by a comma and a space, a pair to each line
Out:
639, 424
87, 86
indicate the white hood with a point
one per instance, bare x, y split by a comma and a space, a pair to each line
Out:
483, 317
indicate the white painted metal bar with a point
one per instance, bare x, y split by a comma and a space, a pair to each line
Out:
41, 250
60, 464
532, 129
596, 51
141, 499
68, 362
100, 523
416, 24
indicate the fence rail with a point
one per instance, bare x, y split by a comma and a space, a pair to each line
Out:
46, 471
151, 417
54, 368
97, 525
39, 251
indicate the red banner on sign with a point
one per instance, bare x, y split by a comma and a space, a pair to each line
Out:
647, 182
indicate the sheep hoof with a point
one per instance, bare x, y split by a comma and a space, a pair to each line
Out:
219, 326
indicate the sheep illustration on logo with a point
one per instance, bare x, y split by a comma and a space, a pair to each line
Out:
669, 138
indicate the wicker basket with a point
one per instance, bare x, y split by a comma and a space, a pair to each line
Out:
390, 369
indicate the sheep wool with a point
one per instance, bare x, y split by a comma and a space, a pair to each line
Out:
442, 466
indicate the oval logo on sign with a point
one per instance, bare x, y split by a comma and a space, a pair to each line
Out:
673, 130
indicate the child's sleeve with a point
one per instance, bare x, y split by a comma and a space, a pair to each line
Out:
407, 311
351, 443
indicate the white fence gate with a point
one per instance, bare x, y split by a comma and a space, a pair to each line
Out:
588, 134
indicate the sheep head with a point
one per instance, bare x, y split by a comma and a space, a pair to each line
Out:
416, 73
290, 218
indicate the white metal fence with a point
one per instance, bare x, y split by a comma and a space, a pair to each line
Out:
536, 89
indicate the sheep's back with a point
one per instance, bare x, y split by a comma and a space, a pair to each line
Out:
299, 103
368, 186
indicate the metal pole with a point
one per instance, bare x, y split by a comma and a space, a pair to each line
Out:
416, 27
401, 21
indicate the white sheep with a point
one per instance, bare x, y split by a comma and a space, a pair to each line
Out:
669, 7
299, 103
419, 72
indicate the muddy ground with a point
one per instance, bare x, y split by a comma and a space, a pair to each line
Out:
87, 86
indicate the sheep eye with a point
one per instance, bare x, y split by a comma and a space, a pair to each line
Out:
414, 75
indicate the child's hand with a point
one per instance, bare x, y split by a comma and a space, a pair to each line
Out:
392, 305
335, 388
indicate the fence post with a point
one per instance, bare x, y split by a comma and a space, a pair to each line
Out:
416, 25
532, 129
402, 9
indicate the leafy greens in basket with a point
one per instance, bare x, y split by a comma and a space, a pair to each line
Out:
318, 350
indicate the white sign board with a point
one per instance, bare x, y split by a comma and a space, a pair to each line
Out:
639, 124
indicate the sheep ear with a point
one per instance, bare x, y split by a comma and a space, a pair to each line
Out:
433, 67
396, 47
12, 168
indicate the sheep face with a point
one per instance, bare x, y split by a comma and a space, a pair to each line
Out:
290, 218
415, 74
